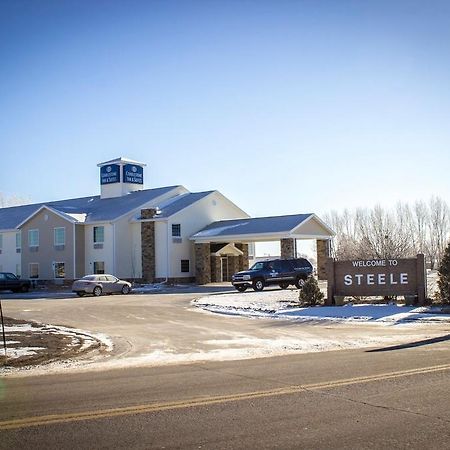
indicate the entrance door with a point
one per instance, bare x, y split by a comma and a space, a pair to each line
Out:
224, 268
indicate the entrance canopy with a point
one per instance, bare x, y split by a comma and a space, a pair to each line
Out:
261, 229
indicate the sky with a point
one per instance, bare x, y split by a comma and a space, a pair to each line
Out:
285, 107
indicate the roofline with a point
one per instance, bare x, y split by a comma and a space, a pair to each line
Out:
139, 207
121, 160
321, 222
257, 237
190, 204
54, 211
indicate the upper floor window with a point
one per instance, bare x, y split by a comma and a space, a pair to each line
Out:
18, 241
99, 235
59, 235
176, 230
33, 238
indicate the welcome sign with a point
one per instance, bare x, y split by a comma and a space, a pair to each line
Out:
377, 277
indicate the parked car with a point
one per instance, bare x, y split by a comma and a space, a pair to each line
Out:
100, 284
283, 272
9, 282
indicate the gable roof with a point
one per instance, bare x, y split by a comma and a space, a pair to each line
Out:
173, 205
95, 208
261, 228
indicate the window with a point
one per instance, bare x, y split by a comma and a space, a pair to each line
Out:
176, 230
1, 242
59, 270
33, 238
99, 235
59, 236
18, 242
99, 267
18, 270
185, 265
33, 269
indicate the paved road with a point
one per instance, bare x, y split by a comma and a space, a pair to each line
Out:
394, 397
156, 329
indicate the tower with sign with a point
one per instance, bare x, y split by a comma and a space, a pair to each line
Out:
120, 176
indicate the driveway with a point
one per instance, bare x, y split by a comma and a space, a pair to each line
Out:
160, 329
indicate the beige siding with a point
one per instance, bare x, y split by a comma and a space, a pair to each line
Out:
79, 251
46, 221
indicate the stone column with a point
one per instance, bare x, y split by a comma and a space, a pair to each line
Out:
202, 263
233, 266
287, 248
243, 259
323, 253
216, 276
148, 246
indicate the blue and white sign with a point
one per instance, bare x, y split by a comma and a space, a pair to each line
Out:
133, 174
110, 174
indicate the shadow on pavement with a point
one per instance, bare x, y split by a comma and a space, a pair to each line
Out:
412, 344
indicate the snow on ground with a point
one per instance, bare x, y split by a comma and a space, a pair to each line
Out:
282, 304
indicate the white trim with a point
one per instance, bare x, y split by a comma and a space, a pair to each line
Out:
48, 208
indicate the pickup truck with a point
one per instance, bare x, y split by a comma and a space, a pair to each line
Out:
283, 272
9, 282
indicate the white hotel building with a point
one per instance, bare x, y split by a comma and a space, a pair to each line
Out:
165, 233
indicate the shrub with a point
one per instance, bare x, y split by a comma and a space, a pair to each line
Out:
310, 293
444, 277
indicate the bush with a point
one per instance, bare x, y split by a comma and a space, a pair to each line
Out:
310, 293
444, 277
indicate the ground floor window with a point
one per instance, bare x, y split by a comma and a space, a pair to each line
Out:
59, 270
99, 267
33, 269
18, 270
185, 265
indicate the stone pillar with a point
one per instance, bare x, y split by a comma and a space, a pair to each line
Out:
287, 248
243, 259
216, 276
202, 263
233, 266
323, 253
148, 246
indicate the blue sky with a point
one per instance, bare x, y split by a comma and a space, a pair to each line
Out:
284, 106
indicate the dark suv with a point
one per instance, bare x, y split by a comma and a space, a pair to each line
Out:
9, 282
276, 271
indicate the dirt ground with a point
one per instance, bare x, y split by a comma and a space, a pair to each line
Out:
47, 344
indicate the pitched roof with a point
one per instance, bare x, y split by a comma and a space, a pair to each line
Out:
176, 204
256, 226
95, 208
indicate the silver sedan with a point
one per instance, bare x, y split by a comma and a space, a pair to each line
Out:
100, 284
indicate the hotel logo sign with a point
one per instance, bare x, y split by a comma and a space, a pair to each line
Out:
377, 277
133, 174
110, 174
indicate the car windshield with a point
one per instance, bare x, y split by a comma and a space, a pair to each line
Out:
260, 265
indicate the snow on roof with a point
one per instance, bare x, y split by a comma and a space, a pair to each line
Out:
258, 225
174, 205
93, 209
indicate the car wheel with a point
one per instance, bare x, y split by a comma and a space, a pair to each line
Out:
80, 294
97, 291
258, 284
24, 289
299, 282
125, 289
241, 288
284, 285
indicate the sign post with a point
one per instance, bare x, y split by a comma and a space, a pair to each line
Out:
377, 277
